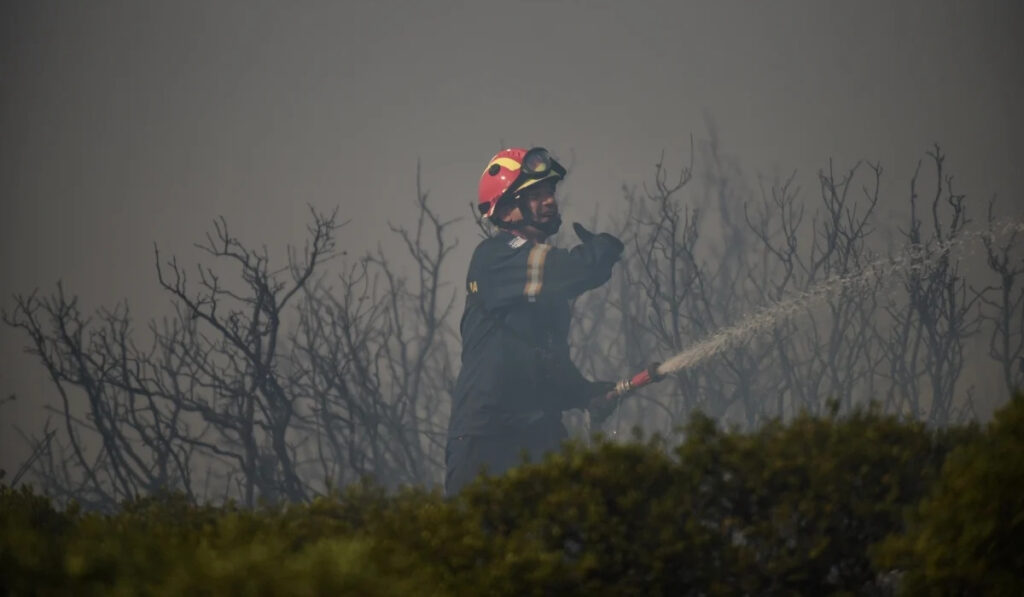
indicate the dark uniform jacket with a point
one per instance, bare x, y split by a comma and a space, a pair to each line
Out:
515, 352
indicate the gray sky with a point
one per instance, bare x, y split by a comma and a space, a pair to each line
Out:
128, 123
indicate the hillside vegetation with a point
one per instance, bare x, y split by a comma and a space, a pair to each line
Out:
858, 504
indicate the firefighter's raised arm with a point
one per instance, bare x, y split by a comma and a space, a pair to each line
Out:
516, 270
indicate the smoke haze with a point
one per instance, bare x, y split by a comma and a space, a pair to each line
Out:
124, 124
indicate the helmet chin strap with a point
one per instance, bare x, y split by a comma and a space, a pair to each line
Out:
549, 228
510, 225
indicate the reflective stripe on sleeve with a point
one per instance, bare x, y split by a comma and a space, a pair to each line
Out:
535, 271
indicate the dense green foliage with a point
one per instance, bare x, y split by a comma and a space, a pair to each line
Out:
966, 536
815, 506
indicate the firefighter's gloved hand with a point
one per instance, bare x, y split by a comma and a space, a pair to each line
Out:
584, 234
599, 406
614, 245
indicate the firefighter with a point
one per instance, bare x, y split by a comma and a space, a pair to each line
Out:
516, 376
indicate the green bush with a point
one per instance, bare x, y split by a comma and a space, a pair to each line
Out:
795, 508
966, 536
32, 542
162, 549
787, 509
803, 502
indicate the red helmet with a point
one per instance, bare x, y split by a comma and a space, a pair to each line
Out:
512, 170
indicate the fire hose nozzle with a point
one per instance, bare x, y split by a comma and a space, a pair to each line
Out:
647, 376
600, 408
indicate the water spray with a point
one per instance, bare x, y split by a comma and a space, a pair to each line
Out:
768, 317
